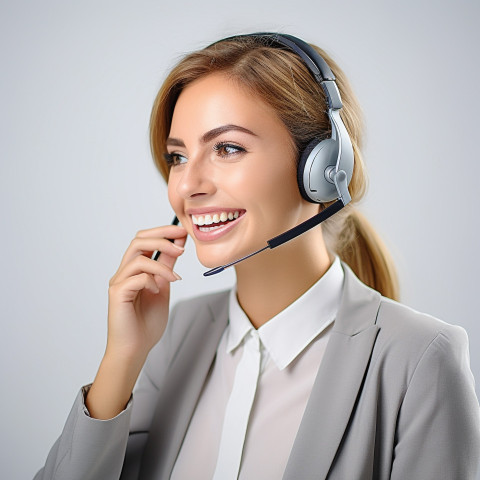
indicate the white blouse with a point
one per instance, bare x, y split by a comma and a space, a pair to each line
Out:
290, 348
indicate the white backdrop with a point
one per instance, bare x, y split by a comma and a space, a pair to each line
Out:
77, 181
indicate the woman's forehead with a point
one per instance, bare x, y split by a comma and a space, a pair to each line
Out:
217, 100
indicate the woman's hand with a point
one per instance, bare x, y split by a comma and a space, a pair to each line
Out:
139, 292
138, 307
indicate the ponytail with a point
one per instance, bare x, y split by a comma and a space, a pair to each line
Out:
360, 247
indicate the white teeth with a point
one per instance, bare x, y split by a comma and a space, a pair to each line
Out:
209, 219
208, 229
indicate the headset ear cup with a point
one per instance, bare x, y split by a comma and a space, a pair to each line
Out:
301, 167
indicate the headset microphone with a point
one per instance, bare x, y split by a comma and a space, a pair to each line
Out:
326, 166
303, 227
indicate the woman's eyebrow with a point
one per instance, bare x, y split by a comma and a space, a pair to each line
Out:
174, 142
215, 132
211, 134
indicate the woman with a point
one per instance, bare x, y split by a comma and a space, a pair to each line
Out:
301, 371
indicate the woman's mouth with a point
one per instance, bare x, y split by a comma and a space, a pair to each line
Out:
210, 221
211, 225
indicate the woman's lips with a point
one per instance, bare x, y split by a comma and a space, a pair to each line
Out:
210, 227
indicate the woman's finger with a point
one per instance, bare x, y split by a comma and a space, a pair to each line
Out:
142, 264
147, 245
166, 231
165, 256
128, 289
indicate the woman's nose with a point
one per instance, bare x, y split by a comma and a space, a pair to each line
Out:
195, 179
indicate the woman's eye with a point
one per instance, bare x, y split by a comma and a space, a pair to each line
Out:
174, 159
227, 149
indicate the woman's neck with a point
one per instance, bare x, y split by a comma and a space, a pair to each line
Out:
268, 283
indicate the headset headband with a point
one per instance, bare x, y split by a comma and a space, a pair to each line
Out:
317, 66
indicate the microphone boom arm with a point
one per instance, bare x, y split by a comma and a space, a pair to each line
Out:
340, 180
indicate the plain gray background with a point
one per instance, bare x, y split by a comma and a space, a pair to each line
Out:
77, 181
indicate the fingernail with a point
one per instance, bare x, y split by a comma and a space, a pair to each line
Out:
178, 246
176, 275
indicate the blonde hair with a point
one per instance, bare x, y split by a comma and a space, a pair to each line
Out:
281, 79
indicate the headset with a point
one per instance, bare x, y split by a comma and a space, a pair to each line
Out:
325, 167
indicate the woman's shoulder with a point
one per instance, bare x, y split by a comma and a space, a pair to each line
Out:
207, 300
394, 320
189, 318
200, 309
406, 335
401, 321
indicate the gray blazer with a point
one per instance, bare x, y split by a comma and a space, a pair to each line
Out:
393, 399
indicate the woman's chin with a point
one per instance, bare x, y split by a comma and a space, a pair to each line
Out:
212, 257
212, 260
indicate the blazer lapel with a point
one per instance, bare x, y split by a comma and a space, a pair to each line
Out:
338, 382
183, 385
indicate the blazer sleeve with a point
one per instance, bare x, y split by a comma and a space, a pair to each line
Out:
88, 448
438, 426
92, 449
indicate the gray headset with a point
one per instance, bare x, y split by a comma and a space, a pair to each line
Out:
322, 160
325, 167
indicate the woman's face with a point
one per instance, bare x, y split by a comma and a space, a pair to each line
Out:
233, 180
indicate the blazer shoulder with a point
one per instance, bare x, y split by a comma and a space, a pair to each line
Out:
403, 320
210, 300
407, 333
212, 306
362, 307
187, 317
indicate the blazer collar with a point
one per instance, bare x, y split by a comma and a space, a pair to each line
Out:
337, 383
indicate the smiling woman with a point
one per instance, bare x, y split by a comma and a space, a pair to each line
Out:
236, 152
308, 367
